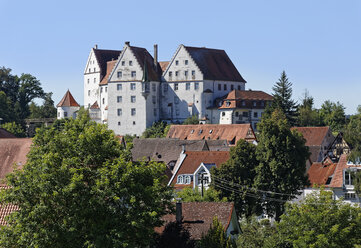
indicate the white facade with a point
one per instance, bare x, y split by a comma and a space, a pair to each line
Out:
91, 80
67, 112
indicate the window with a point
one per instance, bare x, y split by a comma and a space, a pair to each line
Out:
176, 86
228, 103
130, 63
219, 87
95, 80
186, 73
94, 69
177, 112
176, 73
254, 103
123, 63
236, 114
262, 103
223, 113
186, 62
170, 74
176, 62
155, 112
193, 73
89, 69
180, 179
101, 89
245, 114
188, 86
118, 123
133, 122
119, 86
225, 87
239, 87
133, 111
165, 87
350, 196
132, 99
106, 89
132, 86
58, 114
187, 179
255, 114
154, 87
103, 100
243, 103
232, 87
119, 98
119, 112
154, 99
134, 73
88, 92
119, 74
196, 85
176, 99
88, 80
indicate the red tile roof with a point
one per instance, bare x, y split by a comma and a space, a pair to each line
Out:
230, 132
163, 65
110, 65
214, 64
68, 101
314, 136
235, 98
103, 56
13, 151
6, 209
198, 217
337, 179
194, 159
319, 173
95, 105
6, 134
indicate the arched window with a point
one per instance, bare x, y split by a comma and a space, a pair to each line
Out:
187, 179
180, 179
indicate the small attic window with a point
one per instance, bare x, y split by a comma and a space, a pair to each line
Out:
200, 131
328, 180
228, 103
192, 131
211, 131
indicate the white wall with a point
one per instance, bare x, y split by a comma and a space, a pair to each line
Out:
91, 80
71, 112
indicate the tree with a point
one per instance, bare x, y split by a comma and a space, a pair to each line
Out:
193, 195
47, 110
78, 189
307, 115
216, 237
6, 113
282, 156
333, 115
175, 236
235, 178
191, 120
352, 135
320, 221
282, 98
15, 129
157, 130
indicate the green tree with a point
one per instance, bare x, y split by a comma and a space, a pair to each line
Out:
333, 115
216, 237
47, 110
357, 182
352, 135
191, 120
175, 236
157, 130
78, 189
235, 178
307, 115
282, 98
320, 221
6, 113
282, 156
15, 129
194, 195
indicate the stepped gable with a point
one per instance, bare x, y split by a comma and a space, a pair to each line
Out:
103, 56
68, 101
234, 98
141, 54
6, 134
230, 132
214, 64
198, 217
13, 153
110, 66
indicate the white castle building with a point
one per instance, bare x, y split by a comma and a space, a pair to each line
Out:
130, 90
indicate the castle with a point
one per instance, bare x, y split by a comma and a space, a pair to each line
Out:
130, 89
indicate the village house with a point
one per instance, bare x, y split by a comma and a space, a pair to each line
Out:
67, 107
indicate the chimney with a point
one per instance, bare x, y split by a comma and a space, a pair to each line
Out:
155, 57
178, 210
127, 43
96, 46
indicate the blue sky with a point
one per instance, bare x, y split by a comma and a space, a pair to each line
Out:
317, 43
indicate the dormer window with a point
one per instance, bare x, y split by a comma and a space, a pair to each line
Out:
187, 179
200, 132
180, 179
228, 103
211, 131
192, 131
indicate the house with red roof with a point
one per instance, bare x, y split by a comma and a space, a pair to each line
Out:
67, 107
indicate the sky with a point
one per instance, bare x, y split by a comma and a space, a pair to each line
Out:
317, 42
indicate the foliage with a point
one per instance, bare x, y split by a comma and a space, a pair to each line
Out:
78, 189
352, 135
307, 115
238, 171
256, 233
282, 156
191, 120
320, 221
333, 115
47, 110
282, 98
6, 113
175, 236
15, 129
188, 194
157, 130
216, 237
357, 182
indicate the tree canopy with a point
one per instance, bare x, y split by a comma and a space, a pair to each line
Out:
333, 115
188, 194
157, 130
79, 189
